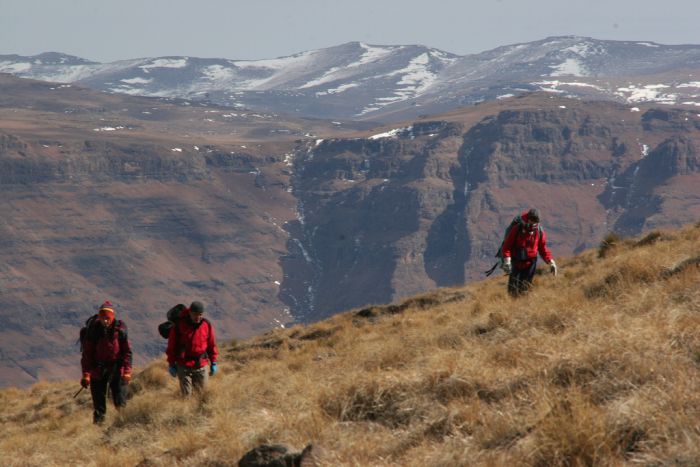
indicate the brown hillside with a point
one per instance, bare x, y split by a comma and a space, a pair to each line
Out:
599, 366
143, 201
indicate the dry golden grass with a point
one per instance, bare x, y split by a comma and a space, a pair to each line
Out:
599, 366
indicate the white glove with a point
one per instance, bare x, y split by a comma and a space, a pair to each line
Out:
553, 267
507, 266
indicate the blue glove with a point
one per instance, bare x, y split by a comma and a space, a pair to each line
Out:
172, 370
213, 369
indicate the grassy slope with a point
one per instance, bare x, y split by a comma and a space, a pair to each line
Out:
598, 366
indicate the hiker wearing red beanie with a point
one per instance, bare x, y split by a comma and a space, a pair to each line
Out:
106, 359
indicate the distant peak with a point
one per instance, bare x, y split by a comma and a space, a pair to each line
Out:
58, 58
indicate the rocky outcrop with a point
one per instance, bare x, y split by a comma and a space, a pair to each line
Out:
277, 455
641, 198
99, 160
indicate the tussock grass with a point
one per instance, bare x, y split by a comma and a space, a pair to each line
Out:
599, 366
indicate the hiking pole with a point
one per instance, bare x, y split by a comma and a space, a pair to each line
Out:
79, 391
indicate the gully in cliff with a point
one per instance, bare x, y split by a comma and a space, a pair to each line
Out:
524, 239
106, 359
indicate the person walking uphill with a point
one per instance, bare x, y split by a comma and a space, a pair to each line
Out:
106, 360
520, 249
191, 348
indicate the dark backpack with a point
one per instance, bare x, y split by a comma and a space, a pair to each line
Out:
89, 330
516, 222
173, 316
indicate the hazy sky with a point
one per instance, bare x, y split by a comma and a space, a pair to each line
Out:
113, 30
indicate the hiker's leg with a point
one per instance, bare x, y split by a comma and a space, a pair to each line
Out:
527, 277
98, 389
514, 283
185, 377
200, 378
119, 390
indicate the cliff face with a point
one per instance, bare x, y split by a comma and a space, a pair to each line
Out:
425, 206
143, 226
144, 202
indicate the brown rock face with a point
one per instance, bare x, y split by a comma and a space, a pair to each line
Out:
139, 201
425, 207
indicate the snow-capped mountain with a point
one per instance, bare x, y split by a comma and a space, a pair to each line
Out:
618, 70
357, 80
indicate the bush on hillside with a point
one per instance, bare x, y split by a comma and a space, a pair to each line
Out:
607, 245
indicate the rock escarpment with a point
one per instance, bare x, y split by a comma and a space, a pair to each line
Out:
425, 205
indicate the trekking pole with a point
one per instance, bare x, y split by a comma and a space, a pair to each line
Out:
79, 391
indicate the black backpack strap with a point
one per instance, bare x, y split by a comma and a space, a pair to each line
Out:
493, 268
120, 327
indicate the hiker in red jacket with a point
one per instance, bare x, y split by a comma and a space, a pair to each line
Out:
520, 248
191, 348
106, 360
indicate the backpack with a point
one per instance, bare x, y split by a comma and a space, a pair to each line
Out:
173, 316
516, 222
89, 329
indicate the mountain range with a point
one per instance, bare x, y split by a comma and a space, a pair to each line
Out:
391, 83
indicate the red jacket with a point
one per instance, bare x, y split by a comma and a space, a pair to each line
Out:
192, 345
105, 347
523, 246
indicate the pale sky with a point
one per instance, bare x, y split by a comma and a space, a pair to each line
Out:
107, 31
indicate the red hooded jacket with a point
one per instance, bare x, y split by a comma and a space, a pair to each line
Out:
192, 345
523, 246
105, 347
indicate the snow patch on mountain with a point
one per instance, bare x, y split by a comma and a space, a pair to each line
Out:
341, 88
570, 67
584, 49
648, 93
165, 63
371, 54
392, 133
274, 70
137, 80
416, 78
554, 85
14, 67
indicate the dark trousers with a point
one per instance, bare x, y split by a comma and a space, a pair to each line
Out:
520, 280
99, 387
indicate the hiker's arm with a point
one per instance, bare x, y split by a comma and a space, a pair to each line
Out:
543, 249
125, 354
170, 351
509, 241
212, 349
87, 360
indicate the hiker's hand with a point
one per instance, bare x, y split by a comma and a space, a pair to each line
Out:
126, 378
172, 370
85, 382
507, 265
553, 267
213, 369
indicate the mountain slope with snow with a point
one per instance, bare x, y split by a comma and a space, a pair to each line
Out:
358, 80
